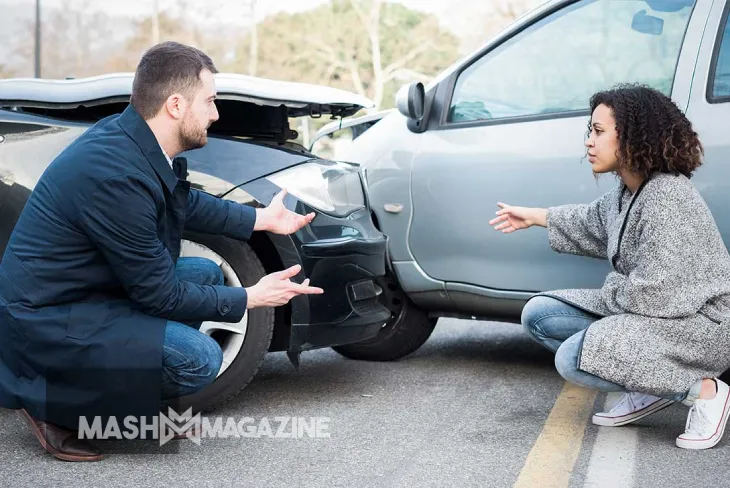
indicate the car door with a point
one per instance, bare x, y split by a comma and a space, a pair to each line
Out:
511, 127
709, 111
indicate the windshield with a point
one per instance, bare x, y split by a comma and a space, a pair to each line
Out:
557, 63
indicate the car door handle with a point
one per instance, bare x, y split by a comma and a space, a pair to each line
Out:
393, 207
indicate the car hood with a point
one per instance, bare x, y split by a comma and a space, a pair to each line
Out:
248, 106
299, 98
251, 139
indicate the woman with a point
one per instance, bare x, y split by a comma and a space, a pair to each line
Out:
659, 328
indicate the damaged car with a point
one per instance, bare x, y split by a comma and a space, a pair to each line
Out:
251, 155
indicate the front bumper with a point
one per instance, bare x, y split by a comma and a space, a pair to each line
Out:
349, 310
345, 256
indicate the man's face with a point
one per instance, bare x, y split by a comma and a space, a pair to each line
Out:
200, 114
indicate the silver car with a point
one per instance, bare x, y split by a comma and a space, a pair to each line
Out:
508, 123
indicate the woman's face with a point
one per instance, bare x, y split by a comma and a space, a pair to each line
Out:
602, 142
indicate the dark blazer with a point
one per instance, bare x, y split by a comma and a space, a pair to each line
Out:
87, 281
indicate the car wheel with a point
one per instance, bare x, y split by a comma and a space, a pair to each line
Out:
245, 343
408, 328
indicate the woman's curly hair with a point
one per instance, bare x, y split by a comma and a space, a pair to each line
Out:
653, 133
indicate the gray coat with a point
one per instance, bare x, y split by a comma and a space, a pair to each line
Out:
665, 305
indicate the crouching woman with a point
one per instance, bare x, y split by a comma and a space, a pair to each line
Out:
659, 328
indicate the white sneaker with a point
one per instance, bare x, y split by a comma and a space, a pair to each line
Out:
631, 407
706, 420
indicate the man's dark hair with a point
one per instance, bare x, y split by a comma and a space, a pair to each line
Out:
654, 135
167, 68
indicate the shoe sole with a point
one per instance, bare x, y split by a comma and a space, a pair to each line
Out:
714, 439
59, 455
632, 417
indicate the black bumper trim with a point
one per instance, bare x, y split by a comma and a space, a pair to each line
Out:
344, 246
310, 337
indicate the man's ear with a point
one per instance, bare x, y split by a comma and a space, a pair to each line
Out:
175, 106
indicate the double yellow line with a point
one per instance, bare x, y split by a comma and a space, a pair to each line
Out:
551, 460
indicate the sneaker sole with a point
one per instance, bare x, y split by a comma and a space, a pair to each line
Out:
605, 421
697, 444
58, 455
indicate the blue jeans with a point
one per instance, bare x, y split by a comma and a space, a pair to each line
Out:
191, 360
560, 327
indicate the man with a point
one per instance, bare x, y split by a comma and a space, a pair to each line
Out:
92, 295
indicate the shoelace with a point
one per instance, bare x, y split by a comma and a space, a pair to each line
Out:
697, 421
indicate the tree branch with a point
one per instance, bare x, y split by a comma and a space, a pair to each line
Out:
361, 15
377, 59
356, 80
322, 51
410, 56
409, 73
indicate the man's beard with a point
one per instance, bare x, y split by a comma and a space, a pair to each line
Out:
192, 137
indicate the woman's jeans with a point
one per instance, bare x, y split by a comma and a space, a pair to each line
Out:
560, 327
191, 359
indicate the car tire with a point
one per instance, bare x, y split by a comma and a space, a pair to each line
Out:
407, 330
259, 329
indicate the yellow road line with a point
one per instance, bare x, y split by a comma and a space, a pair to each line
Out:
550, 462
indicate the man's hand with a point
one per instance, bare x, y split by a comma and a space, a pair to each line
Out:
278, 219
276, 289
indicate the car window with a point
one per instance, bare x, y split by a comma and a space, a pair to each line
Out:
557, 63
720, 88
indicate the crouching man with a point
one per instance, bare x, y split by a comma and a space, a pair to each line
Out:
95, 303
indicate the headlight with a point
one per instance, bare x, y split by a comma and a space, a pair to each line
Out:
329, 186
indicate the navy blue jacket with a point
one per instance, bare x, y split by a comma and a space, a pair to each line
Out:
87, 281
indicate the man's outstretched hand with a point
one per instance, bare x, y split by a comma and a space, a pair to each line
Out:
277, 289
278, 219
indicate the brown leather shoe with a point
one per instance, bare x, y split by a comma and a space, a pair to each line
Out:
63, 443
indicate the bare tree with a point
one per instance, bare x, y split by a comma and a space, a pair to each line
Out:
253, 46
75, 39
398, 68
366, 46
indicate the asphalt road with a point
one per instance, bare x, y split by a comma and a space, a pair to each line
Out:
478, 405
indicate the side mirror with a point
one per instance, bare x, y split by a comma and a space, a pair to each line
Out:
410, 100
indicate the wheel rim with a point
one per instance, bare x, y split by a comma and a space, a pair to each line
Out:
229, 336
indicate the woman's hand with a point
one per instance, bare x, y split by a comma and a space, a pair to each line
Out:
510, 219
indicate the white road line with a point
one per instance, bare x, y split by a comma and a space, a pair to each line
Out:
612, 460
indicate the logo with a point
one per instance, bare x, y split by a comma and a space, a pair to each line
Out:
169, 427
194, 427
2, 139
